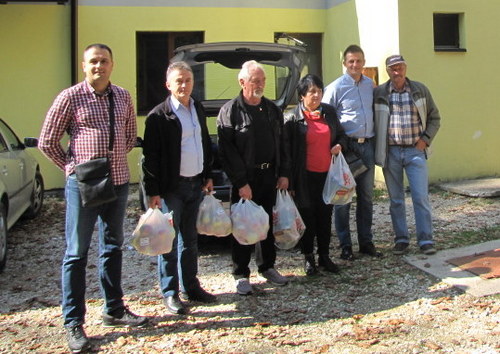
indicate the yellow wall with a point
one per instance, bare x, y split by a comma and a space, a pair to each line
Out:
34, 67
233, 25
341, 31
464, 85
35, 60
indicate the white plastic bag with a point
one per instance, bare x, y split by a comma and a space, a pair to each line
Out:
339, 185
212, 218
283, 212
250, 222
288, 226
154, 233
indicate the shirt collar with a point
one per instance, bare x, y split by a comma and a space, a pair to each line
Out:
351, 79
406, 88
176, 104
92, 89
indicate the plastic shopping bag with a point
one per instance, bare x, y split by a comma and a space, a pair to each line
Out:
154, 233
339, 185
288, 226
212, 218
283, 212
250, 222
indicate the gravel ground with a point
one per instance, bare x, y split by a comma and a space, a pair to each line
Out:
374, 306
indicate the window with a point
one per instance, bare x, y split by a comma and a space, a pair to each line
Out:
154, 50
447, 36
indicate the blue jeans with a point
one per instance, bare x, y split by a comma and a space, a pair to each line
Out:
179, 267
413, 162
80, 224
364, 203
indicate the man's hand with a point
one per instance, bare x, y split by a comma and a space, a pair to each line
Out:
154, 201
421, 145
245, 192
282, 183
208, 187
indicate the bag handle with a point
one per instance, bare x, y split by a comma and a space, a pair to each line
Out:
111, 120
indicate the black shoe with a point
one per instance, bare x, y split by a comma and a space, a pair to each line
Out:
310, 264
428, 249
124, 318
326, 263
199, 295
174, 305
370, 250
400, 248
77, 339
347, 253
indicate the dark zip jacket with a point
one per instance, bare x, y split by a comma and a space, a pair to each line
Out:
237, 141
162, 149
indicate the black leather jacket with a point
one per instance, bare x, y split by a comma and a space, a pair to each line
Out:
237, 140
294, 134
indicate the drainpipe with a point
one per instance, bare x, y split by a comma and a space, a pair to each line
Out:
74, 40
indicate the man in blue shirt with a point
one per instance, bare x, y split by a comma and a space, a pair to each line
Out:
177, 167
352, 96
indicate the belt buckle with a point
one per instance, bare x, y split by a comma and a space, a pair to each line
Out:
361, 140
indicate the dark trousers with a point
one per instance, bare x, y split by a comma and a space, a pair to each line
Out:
317, 218
264, 194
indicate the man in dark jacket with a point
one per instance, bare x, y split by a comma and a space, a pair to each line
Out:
249, 130
177, 167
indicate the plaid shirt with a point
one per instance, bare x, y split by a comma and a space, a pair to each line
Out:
404, 125
84, 115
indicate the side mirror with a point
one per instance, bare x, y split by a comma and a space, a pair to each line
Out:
31, 142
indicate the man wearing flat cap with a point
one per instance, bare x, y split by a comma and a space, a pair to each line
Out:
406, 122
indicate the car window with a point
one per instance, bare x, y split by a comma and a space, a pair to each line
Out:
11, 140
3, 145
217, 82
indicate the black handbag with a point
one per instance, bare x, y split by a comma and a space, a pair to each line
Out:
355, 162
94, 176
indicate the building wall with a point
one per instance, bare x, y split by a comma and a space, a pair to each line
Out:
35, 59
34, 67
463, 84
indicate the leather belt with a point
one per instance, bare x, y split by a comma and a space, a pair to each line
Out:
189, 179
360, 140
263, 166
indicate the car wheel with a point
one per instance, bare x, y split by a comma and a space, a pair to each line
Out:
36, 197
3, 237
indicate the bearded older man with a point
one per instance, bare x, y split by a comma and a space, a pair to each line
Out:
249, 131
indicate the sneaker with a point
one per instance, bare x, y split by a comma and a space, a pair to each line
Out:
243, 286
199, 295
428, 249
310, 264
400, 248
127, 319
274, 277
77, 339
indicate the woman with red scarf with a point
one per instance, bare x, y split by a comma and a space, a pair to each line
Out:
312, 134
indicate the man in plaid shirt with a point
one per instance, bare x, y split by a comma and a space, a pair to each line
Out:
82, 111
406, 122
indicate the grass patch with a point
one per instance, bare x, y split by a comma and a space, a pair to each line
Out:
467, 238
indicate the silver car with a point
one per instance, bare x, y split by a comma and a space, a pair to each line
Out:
21, 184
